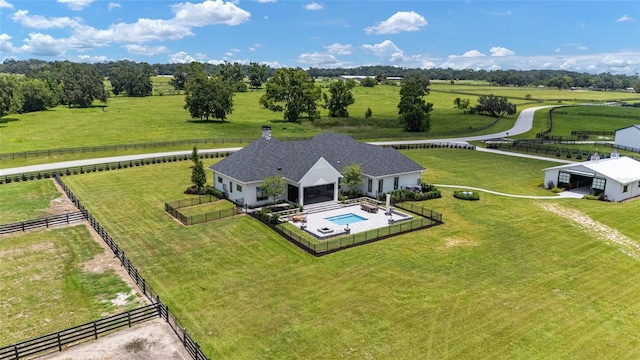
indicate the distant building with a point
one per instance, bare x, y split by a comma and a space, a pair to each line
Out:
628, 137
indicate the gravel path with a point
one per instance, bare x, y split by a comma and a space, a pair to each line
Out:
562, 195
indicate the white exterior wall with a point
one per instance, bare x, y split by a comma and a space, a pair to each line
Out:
629, 137
409, 179
321, 173
551, 175
614, 190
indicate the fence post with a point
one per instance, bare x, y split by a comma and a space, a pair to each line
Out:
95, 330
129, 317
184, 336
59, 343
15, 350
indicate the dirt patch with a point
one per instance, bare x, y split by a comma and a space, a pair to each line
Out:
454, 242
586, 223
42, 247
61, 205
150, 340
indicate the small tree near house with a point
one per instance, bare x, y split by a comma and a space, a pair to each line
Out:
198, 176
273, 187
351, 176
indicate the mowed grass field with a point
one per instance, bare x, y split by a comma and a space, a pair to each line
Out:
25, 202
502, 278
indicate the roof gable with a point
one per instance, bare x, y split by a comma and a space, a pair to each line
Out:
635, 127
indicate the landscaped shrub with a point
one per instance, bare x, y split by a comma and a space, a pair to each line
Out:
550, 185
210, 190
425, 192
558, 152
466, 195
568, 153
556, 190
591, 197
579, 155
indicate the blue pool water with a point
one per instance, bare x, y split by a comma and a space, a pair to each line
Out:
344, 219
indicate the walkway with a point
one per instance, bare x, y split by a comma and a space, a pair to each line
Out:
523, 124
562, 195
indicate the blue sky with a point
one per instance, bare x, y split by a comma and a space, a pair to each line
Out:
584, 36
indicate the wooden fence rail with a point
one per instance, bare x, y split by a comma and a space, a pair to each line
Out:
146, 289
44, 222
59, 340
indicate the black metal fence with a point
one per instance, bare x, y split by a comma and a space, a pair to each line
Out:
582, 133
435, 145
43, 222
142, 284
548, 150
114, 165
59, 340
428, 218
172, 209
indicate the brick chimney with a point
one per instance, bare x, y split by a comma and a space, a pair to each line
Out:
266, 132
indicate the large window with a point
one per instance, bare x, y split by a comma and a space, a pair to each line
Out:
625, 188
220, 179
239, 187
259, 195
230, 186
380, 185
598, 184
370, 185
564, 178
396, 183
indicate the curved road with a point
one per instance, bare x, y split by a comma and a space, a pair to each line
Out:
523, 124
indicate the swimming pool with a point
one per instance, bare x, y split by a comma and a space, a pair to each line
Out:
344, 219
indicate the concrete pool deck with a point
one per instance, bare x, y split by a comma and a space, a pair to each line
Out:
316, 221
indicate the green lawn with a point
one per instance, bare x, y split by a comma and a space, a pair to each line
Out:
503, 278
593, 118
26, 201
44, 287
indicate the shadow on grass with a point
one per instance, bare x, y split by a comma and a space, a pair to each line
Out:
203, 121
6, 120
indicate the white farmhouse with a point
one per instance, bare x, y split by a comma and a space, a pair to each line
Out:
628, 137
312, 168
617, 177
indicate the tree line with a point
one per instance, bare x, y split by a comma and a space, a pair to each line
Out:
551, 78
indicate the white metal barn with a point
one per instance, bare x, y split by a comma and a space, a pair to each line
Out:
617, 177
628, 137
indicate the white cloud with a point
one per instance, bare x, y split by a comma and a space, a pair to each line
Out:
92, 59
145, 50
41, 22
398, 22
582, 47
266, 1
500, 51
5, 44
113, 6
43, 45
210, 12
181, 57
201, 56
470, 53
558, 50
5, 5
340, 49
384, 49
319, 60
625, 18
141, 31
314, 6
76, 4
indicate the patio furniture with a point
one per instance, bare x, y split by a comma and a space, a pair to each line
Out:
369, 207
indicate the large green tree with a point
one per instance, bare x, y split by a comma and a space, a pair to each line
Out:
233, 75
34, 95
198, 175
8, 92
340, 98
413, 110
293, 91
132, 79
208, 97
495, 106
257, 74
80, 84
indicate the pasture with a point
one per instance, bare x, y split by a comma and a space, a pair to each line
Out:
50, 282
502, 278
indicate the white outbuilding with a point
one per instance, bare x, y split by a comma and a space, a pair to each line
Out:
628, 137
618, 177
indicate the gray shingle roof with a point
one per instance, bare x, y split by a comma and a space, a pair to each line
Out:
293, 159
